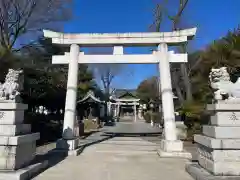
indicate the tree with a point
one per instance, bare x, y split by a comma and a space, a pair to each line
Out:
179, 73
19, 17
106, 72
25, 18
191, 80
148, 89
45, 84
221, 52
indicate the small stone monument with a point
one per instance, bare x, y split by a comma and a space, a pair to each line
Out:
219, 144
17, 143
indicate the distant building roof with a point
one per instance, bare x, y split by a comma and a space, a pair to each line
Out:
120, 93
90, 97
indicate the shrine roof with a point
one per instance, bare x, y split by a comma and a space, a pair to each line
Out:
125, 95
90, 97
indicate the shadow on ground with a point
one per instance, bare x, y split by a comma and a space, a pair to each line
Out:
52, 157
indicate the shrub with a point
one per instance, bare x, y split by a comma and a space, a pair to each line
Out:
157, 118
49, 130
192, 114
147, 117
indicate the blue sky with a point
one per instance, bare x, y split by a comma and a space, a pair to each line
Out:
212, 17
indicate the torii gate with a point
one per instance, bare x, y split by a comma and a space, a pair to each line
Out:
170, 146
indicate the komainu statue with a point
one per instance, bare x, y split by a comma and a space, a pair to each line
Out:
224, 89
10, 89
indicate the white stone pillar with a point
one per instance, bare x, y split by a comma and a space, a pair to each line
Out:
170, 142
139, 112
71, 96
102, 111
118, 109
135, 112
109, 108
115, 110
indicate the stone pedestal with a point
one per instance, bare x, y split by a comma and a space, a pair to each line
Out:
70, 147
17, 143
173, 149
219, 145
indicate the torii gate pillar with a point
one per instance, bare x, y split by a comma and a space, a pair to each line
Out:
170, 146
69, 141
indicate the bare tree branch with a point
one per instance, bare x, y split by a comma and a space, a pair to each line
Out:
158, 13
19, 17
106, 72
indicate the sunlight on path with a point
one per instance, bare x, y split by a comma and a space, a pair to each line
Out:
121, 158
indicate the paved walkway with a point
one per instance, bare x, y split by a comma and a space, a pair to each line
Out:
119, 158
133, 128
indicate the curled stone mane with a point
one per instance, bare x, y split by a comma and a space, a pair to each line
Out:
220, 74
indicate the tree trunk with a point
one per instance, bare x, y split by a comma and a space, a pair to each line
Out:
186, 81
178, 89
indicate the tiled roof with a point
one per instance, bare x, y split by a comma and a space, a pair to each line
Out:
121, 92
90, 95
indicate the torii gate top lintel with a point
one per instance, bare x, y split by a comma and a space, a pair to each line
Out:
129, 39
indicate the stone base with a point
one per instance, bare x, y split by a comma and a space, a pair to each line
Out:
182, 154
226, 118
14, 130
219, 155
75, 152
232, 107
173, 149
69, 146
25, 173
227, 168
17, 151
171, 146
198, 173
221, 132
217, 143
219, 161
16, 140
13, 162
12, 113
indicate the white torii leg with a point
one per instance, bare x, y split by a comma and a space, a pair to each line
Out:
109, 106
71, 96
135, 113
169, 144
167, 94
118, 111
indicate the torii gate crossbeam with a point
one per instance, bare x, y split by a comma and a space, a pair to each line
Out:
118, 59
